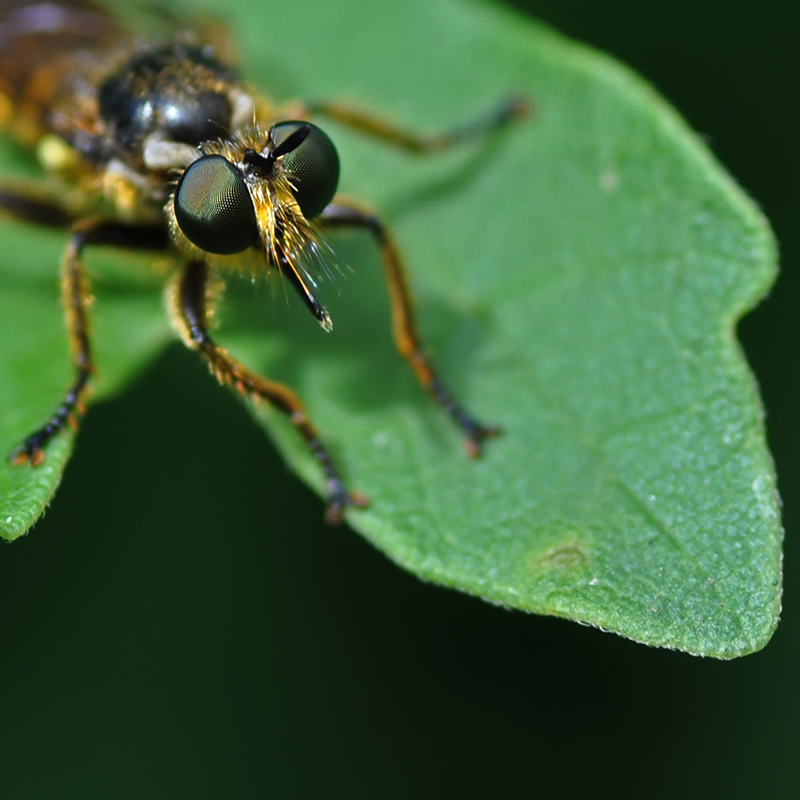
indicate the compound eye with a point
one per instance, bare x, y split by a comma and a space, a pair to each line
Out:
312, 166
213, 207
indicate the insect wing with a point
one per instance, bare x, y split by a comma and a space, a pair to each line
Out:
46, 50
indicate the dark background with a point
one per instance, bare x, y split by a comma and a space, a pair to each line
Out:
164, 636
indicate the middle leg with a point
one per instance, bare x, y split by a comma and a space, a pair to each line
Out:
75, 299
412, 140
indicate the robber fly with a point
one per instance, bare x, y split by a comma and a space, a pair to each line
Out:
158, 144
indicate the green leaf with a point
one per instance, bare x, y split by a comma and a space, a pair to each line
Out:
578, 283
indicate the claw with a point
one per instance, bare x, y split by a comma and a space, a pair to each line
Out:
30, 450
339, 499
476, 436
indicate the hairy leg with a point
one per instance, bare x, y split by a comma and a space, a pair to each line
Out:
75, 300
406, 337
189, 299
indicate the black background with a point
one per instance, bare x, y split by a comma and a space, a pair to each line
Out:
164, 636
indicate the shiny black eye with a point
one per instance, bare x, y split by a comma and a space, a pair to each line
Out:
213, 207
312, 166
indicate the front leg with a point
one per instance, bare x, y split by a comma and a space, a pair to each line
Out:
344, 215
188, 297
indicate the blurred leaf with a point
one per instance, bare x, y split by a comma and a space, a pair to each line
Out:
578, 279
